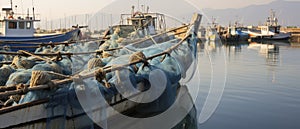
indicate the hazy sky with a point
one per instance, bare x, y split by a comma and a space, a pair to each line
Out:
60, 8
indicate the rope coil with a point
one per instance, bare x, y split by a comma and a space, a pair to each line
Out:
95, 62
138, 57
40, 78
22, 87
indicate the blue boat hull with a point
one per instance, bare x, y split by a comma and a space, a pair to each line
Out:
30, 43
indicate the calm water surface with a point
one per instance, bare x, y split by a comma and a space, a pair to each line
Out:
262, 90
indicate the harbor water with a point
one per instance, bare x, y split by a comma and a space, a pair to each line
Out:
261, 87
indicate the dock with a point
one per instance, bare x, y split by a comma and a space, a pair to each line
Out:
295, 34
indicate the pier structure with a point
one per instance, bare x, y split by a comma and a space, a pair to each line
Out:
295, 34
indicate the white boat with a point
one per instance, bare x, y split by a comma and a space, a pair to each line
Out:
20, 28
270, 31
236, 32
212, 31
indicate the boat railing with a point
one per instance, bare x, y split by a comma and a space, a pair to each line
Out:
20, 16
157, 18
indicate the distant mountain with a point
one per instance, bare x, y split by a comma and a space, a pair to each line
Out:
286, 11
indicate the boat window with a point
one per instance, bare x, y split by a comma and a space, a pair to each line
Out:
135, 22
21, 25
125, 31
28, 25
12, 25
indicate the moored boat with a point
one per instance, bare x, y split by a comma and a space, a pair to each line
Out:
270, 31
236, 32
165, 54
19, 30
212, 31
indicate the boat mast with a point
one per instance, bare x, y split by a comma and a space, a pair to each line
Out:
11, 4
27, 13
272, 20
33, 11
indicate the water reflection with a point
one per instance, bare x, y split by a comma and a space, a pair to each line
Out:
233, 50
269, 50
211, 46
262, 89
217, 46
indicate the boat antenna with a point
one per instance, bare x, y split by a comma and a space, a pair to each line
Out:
11, 4
33, 11
28, 13
143, 9
147, 9
132, 11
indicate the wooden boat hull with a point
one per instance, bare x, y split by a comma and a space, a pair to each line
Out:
34, 115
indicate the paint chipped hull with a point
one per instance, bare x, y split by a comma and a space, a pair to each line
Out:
34, 115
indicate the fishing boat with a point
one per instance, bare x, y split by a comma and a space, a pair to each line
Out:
19, 30
236, 32
212, 31
154, 57
270, 31
139, 25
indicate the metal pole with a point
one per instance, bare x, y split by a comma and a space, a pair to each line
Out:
11, 4
33, 11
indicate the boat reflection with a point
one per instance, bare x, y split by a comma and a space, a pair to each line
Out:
211, 46
270, 50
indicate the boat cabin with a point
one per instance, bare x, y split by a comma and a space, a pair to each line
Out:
138, 24
12, 25
271, 26
233, 30
270, 30
147, 22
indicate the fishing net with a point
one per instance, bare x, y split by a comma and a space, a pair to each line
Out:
66, 65
1, 57
6, 57
95, 62
20, 62
48, 66
19, 77
40, 78
157, 77
5, 72
127, 80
